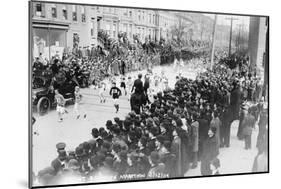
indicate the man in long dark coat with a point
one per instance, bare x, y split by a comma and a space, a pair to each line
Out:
203, 133
225, 129
235, 101
210, 152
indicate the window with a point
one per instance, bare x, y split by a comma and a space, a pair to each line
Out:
41, 42
143, 15
74, 13
150, 18
114, 30
153, 20
139, 15
64, 12
125, 12
131, 30
54, 11
107, 27
75, 40
130, 13
125, 29
139, 31
92, 28
83, 15
39, 9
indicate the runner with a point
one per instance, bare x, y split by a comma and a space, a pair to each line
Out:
123, 84
130, 86
115, 92
60, 105
78, 98
102, 88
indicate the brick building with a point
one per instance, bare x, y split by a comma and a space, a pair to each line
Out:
56, 28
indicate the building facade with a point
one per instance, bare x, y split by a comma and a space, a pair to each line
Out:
56, 28
257, 43
132, 21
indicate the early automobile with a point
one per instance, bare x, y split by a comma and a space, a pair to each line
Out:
43, 92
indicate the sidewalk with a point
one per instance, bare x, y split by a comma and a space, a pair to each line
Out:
234, 159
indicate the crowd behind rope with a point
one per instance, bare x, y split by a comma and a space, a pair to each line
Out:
171, 134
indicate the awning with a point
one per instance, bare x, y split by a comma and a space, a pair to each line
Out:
50, 24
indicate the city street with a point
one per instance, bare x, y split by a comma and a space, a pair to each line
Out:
221, 61
74, 131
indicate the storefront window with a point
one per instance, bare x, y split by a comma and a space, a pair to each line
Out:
48, 42
57, 42
40, 43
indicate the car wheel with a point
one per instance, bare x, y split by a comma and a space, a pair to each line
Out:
43, 106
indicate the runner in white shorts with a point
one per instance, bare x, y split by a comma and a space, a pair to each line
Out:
102, 88
115, 92
78, 98
60, 105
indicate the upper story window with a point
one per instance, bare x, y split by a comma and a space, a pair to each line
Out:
54, 11
64, 12
139, 14
39, 7
74, 13
83, 14
130, 13
125, 12
92, 28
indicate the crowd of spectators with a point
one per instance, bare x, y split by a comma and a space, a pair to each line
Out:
174, 132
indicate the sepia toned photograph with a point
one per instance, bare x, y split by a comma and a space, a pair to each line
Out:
123, 94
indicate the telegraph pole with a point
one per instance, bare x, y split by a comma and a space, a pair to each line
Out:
230, 37
239, 41
213, 42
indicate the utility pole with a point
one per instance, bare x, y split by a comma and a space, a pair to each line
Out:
213, 42
239, 40
230, 37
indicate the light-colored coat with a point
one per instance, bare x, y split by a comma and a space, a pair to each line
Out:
195, 136
216, 122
